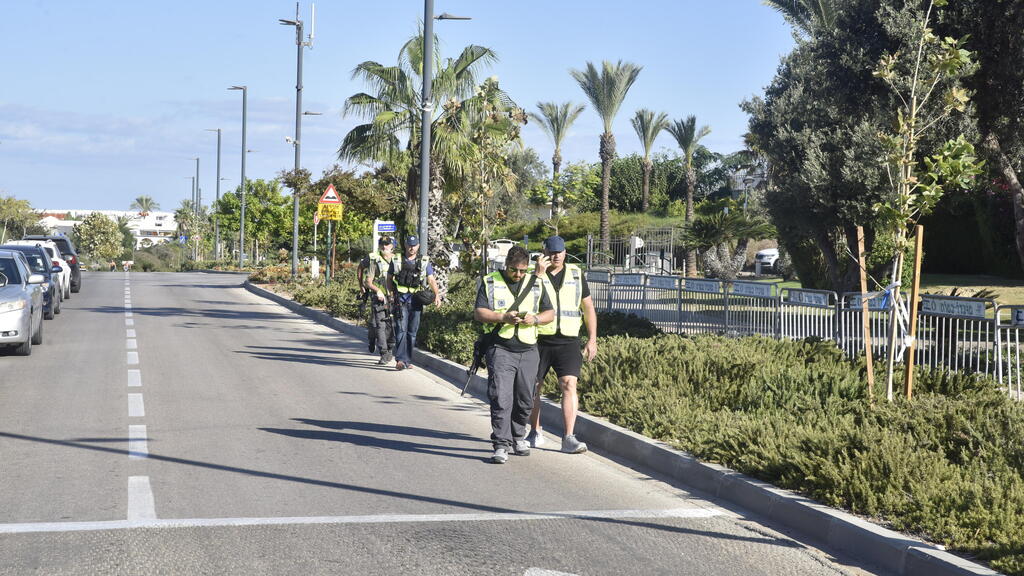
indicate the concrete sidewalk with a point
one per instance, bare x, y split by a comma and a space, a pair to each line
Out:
830, 528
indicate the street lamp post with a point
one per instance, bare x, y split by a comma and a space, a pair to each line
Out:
299, 43
241, 225
197, 201
427, 105
216, 223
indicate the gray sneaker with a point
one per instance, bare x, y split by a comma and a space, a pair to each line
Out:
522, 448
570, 445
500, 455
535, 438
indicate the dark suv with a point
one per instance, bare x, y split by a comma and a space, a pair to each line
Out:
68, 253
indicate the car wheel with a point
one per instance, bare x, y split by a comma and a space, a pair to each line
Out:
48, 315
37, 338
56, 304
75, 289
24, 349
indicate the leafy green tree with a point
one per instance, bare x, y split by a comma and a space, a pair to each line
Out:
688, 137
145, 205
648, 125
555, 120
808, 16
721, 232
16, 216
127, 238
99, 237
606, 90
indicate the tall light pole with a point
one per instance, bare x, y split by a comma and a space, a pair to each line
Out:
427, 105
299, 43
216, 223
195, 210
241, 225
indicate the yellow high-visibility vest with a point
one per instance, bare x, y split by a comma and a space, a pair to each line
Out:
383, 266
500, 298
568, 302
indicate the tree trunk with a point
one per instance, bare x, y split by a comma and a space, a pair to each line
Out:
648, 165
556, 166
691, 256
437, 218
607, 154
1017, 192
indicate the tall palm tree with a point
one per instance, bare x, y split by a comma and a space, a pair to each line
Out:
688, 138
606, 90
648, 125
145, 205
808, 16
555, 120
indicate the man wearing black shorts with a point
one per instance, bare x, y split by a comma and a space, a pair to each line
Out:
559, 342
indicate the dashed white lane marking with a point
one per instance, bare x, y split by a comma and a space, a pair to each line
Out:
136, 409
130, 334
132, 344
545, 572
141, 507
138, 446
134, 378
153, 522
129, 322
128, 314
133, 358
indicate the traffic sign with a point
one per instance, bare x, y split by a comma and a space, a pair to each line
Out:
386, 227
330, 211
330, 196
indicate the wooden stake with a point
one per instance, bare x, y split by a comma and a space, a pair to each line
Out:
866, 314
908, 355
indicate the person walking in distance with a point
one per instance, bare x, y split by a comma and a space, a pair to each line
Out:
558, 343
415, 287
511, 307
377, 279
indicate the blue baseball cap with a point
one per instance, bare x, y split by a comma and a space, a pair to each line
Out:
412, 241
554, 244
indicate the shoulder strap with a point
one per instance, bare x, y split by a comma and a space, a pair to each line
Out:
519, 299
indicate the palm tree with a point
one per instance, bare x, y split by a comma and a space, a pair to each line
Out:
648, 125
808, 16
555, 120
722, 233
688, 137
145, 205
606, 90
393, 111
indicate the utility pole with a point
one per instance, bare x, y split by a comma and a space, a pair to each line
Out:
297, 142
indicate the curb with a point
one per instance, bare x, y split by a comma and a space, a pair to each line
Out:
834, 529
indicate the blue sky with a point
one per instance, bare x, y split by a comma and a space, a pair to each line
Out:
103, 101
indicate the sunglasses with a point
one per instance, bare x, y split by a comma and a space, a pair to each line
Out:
518, 270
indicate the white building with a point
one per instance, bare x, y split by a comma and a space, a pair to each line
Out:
149, 229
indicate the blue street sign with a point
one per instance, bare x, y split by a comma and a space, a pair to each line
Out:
182, 239
386, 227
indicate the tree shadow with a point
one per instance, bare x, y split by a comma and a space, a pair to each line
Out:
476, 454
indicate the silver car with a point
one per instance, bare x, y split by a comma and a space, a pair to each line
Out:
21, 303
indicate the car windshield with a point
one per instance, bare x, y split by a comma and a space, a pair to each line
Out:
9, 269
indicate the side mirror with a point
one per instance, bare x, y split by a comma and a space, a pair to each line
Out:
36, 279
56, 270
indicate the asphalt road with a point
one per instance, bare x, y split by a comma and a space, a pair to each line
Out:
176, 424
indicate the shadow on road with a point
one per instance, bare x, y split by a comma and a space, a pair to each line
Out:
476, 454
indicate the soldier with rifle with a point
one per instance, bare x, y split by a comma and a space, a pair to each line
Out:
511, 304
378, 285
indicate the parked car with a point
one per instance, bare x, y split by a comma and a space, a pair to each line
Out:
57, 260
21, 303
68, 252
767, 258
39, 263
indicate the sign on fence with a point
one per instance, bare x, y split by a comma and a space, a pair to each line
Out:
948, 307
601, 276
706, 286
756, 289
808, 298
1018, 317
628, 280
665, 282
879, 302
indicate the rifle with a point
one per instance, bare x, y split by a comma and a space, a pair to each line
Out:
487, 340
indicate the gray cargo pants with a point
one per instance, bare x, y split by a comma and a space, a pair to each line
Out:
511, 377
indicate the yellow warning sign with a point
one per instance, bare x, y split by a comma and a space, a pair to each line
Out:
329, 211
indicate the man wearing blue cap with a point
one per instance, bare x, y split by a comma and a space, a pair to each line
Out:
559, 341
415, 287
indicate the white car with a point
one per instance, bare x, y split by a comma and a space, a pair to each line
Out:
21, 303
55, 257
767, 258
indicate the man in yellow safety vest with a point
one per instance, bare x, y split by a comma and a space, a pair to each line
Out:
511, 307
559, 342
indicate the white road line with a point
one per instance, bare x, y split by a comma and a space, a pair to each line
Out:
130, 334
129, 322
141, 507
133, 359
137, 443
136, 409
374, 519
134, 378
127, 314
128, 304
132, 344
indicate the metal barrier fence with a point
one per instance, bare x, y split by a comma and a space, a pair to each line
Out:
969, 334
